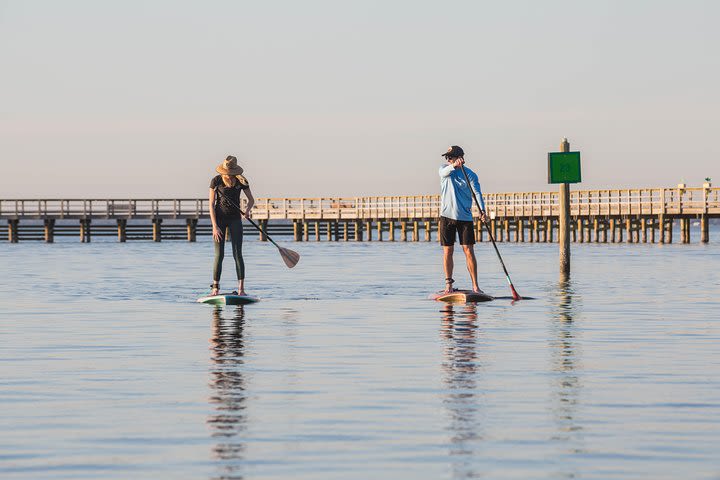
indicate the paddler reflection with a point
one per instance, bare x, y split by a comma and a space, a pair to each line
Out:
462, 375
228, 397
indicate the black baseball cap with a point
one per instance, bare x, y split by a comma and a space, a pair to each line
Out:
454, 152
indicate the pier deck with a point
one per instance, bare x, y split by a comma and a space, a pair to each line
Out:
598, 215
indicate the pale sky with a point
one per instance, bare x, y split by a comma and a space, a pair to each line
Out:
344, 98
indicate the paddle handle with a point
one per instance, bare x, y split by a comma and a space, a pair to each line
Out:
217, 190
516, 296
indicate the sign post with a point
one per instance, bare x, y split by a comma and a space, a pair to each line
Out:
564, 168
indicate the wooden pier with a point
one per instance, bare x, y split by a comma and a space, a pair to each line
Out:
644, 215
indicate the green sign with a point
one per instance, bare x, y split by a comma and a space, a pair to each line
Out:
564, 167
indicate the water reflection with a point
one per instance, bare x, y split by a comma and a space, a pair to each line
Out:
228, 397
565, 354
461, 366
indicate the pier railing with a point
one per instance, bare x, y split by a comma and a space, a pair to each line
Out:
643, 201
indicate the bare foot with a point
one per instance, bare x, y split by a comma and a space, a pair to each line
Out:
242, 293
448, 285
476, 289
215, 289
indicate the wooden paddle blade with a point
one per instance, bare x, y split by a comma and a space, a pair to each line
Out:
289, 257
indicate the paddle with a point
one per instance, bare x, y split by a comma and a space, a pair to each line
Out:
515, 295
290, 257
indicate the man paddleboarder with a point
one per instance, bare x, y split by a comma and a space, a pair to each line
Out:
456, 214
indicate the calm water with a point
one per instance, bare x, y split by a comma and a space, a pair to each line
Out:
109, 370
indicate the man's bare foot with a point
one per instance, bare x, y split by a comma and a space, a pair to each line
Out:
448, 285
242, 293
476, 289
215, 289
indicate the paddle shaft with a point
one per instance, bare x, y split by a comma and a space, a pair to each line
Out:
487, 227
217, 190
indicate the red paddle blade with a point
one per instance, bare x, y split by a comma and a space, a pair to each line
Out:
515, 295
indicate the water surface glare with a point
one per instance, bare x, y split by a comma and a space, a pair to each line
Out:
343, 370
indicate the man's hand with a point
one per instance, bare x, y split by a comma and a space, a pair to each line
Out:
458, 162
484, 217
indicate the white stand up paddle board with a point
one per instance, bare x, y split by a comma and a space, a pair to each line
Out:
227, 299
460, 296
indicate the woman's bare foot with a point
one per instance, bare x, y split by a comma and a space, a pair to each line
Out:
215, 289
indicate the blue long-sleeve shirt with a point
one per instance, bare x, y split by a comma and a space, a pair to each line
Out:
455, 196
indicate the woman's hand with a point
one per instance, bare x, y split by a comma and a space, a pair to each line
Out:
217, 234
247, 214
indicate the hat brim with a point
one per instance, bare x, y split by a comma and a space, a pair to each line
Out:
224, 171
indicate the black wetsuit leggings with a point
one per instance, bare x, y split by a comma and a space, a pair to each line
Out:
236, 237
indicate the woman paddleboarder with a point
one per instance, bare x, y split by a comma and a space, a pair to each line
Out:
225, 190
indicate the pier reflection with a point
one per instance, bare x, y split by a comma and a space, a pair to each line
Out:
461, 366
566, 387
228, 397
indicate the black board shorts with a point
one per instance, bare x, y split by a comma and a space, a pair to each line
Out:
448, 227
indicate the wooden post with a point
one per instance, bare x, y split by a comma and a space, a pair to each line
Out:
518, 224
416, 233
580, 227
427, 231
345, 231
534, 231
13, 236
493, 228
157, 229
506, 228
605, 230
704, 229
629, 230
644, 228
297, 235
480, 230
669, 226
192, 229
317, 231
263, 228
85, 230
652, 230
612, 230
306, 231
329, 230
122, 229
49, 230
368, 229
379, 229
358, 231
564, 221
596, 229
403, 231
391, 230
682, 231
549, 230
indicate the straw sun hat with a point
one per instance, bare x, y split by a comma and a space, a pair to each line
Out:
229, 166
